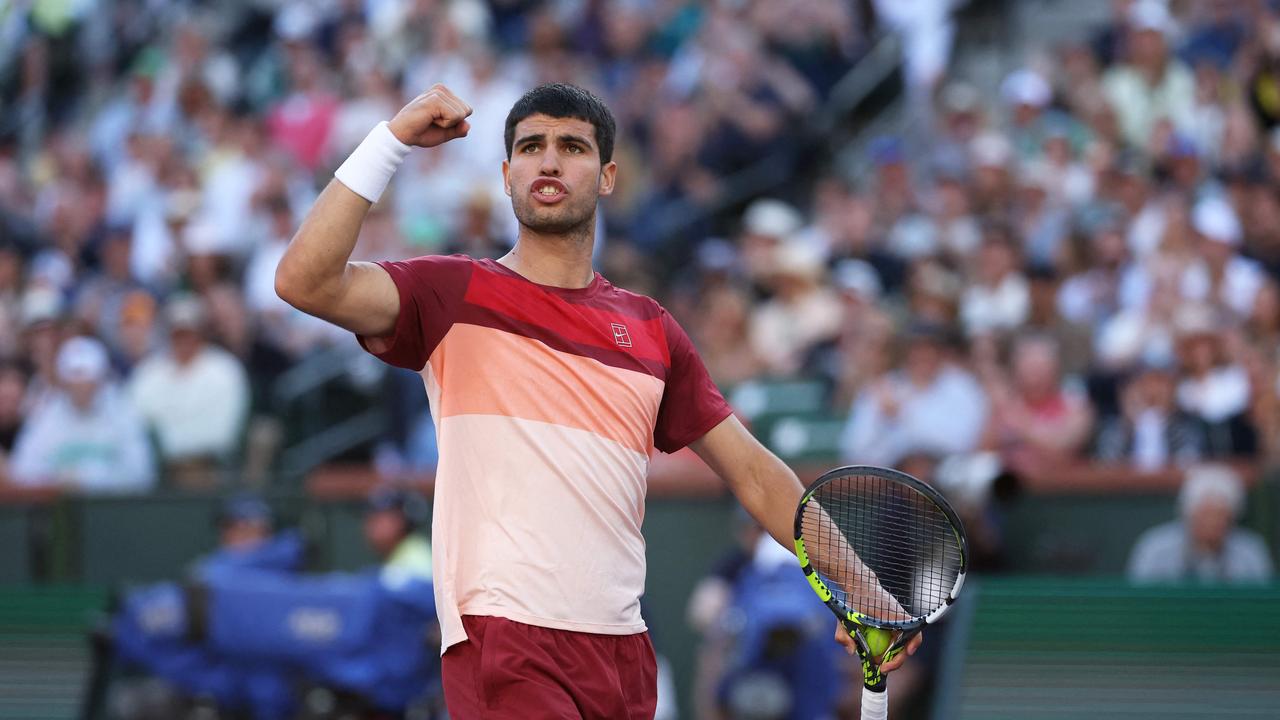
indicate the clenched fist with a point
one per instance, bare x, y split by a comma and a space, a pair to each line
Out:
434, 117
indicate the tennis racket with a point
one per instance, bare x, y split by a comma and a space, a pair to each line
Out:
885, 552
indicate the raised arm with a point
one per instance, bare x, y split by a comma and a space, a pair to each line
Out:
316, 274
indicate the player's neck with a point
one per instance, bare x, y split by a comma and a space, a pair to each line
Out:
560, 260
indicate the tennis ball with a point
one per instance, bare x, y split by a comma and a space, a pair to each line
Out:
878, 640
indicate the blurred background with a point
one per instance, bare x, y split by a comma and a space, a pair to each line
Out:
1026, 250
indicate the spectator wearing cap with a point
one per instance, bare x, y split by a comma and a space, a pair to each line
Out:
194, 396
1027, 94
1214, 389
1037, 421
87, 437
1203, 545
244, 521
802, 312
1150, 431
42, 331
1220, 275
1152, 84
766, 226
931, 402
393, 522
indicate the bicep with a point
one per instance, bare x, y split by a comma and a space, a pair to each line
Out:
725, 446
368, 302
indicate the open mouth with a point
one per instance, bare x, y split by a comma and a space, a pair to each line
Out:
548, 190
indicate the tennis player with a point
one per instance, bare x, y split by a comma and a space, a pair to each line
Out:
550, 389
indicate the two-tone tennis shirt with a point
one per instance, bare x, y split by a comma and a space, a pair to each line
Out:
548, 403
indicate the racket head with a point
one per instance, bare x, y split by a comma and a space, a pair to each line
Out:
907, 538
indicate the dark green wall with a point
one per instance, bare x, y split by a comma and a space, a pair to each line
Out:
103, 542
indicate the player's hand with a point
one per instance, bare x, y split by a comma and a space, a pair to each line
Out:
434, 117
846, 640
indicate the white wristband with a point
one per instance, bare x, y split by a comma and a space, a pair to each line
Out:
370, 166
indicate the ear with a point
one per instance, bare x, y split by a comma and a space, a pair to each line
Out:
506, 177
608, 174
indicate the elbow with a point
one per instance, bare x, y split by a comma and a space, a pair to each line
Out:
290, 285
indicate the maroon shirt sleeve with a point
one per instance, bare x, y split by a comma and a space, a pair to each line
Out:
691, 402
431, 289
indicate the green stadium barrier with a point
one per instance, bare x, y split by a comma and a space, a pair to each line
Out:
15, 538
44, 650
1053, 648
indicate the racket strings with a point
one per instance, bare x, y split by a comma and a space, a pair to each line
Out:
898, 552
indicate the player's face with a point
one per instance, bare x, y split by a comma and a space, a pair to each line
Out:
554, 176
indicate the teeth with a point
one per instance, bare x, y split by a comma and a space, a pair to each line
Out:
548, 190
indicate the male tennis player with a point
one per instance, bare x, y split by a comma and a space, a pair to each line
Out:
550, 388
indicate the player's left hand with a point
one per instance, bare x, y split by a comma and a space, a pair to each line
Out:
844, 638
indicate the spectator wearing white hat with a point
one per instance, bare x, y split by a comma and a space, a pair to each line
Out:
1204, 545
194, 396
766, 226
1221, 275
1152, 85
1214, 389
802, 312
87, 437
1027, 95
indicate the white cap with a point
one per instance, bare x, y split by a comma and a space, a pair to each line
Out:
296, 21
1151, 15
774, 218
1026, 87
991, 149
82, 359
40, 304
1211, 481
797, 259
858, 277
1214, 218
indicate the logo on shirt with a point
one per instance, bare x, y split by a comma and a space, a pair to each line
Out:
620, 335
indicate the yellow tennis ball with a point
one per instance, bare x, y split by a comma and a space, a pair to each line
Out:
878, 640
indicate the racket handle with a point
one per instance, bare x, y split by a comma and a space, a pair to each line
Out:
875, 703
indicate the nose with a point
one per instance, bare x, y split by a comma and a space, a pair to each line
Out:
550, 165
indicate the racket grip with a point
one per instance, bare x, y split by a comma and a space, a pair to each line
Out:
875, 703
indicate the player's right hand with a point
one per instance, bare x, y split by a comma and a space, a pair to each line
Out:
434, 117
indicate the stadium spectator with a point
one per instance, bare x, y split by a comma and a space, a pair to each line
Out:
1204, 545
194, 396
931, 403
244, 521
1151, 84
392, 523
1150, 431
802, 312
999, 298
1214, 388
86, 437
1036, 422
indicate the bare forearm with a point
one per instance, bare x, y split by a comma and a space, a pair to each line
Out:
314, 268
770, 491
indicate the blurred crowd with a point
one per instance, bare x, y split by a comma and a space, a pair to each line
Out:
1080, 264
156, 157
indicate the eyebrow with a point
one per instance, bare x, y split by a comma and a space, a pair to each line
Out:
540, 137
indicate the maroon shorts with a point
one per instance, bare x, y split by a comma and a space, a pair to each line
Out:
507, 669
